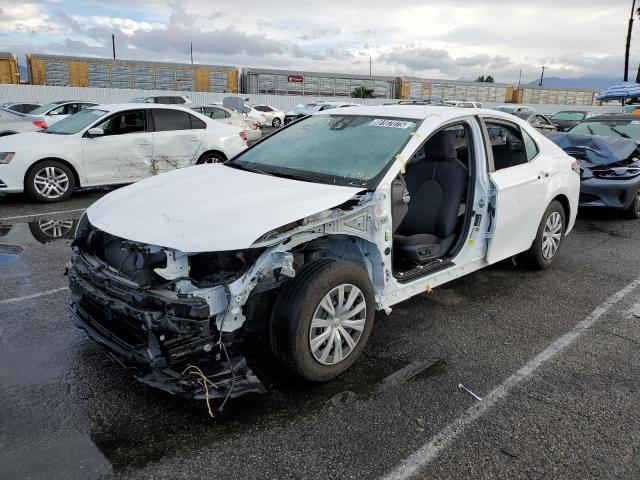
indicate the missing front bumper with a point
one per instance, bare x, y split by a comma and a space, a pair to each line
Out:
157, 347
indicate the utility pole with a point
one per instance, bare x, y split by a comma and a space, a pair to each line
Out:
191, 53
369, 65
628, 46
113, 45
519, 78
542, 75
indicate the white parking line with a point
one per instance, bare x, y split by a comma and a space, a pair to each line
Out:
430, 450
43, 214
35, 295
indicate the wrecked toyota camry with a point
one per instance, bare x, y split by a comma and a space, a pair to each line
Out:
305, 235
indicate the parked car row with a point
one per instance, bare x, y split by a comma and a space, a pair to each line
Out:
348, 210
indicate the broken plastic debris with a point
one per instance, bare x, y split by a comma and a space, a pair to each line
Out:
509, 452
462, 387
387, 310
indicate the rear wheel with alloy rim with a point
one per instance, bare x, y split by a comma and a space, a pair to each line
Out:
634, 209
322, 319
276, 122
212, 157
549, 237
50, 181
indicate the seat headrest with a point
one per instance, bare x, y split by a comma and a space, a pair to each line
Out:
440, 147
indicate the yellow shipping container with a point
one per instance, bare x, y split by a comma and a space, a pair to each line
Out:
9, 72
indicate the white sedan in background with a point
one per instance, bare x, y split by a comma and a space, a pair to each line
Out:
42, 117
110, 145
266, 115
250, 126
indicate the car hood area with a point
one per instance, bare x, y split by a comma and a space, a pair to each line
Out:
595, 149
29, 139
210, 207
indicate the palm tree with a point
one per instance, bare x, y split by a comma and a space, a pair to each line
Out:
362, 92
628, 46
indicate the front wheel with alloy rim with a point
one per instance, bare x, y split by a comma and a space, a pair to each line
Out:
634, 209
50, 181
322, 319
276, 122
549, 237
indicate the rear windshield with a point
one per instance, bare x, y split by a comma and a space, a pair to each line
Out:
349, 150
569, 116
75, 123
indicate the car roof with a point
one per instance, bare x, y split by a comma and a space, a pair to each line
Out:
572, 111
417, 112
115, 107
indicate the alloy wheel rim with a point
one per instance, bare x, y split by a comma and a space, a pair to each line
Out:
51, 182
638, 204
551, 235
337, 324
55, 228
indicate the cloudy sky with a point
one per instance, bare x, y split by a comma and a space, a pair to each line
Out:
429, 39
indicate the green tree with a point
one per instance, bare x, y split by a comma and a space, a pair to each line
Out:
489, 79
362, 92
480, 78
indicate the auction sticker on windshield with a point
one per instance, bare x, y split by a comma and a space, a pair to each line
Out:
382, 122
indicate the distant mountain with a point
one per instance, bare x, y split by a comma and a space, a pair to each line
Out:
596, 83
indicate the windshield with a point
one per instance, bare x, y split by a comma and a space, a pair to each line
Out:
74, 123
136, 99
570, 116
616, 129
348, 150
44, 108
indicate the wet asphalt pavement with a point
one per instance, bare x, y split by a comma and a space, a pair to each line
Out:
68, 411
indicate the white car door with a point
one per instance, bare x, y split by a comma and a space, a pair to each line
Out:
520, 180
177, 136
123, 154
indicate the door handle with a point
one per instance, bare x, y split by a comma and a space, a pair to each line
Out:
194, 138
544, 173
144, 142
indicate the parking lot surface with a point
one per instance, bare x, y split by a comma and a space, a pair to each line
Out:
570, 335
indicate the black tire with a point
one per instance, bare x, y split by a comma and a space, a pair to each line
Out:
33, 181
212, 157
634, 209
535, 256
276, 122
297, 304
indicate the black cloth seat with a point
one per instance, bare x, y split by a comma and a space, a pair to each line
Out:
436, 185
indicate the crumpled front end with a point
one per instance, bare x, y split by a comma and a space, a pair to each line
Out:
167, 338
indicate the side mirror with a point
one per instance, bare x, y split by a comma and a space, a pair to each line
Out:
95, 132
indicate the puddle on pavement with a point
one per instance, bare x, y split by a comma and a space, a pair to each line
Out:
15, 236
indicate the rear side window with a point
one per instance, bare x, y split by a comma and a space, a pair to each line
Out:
168, 120
215, 113
530, 146
196, 123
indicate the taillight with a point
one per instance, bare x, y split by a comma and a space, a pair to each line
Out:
40, 124
575, 166
243, 136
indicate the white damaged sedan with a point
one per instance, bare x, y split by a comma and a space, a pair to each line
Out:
306, 234
111, 145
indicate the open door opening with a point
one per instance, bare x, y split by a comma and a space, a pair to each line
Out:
430, 203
